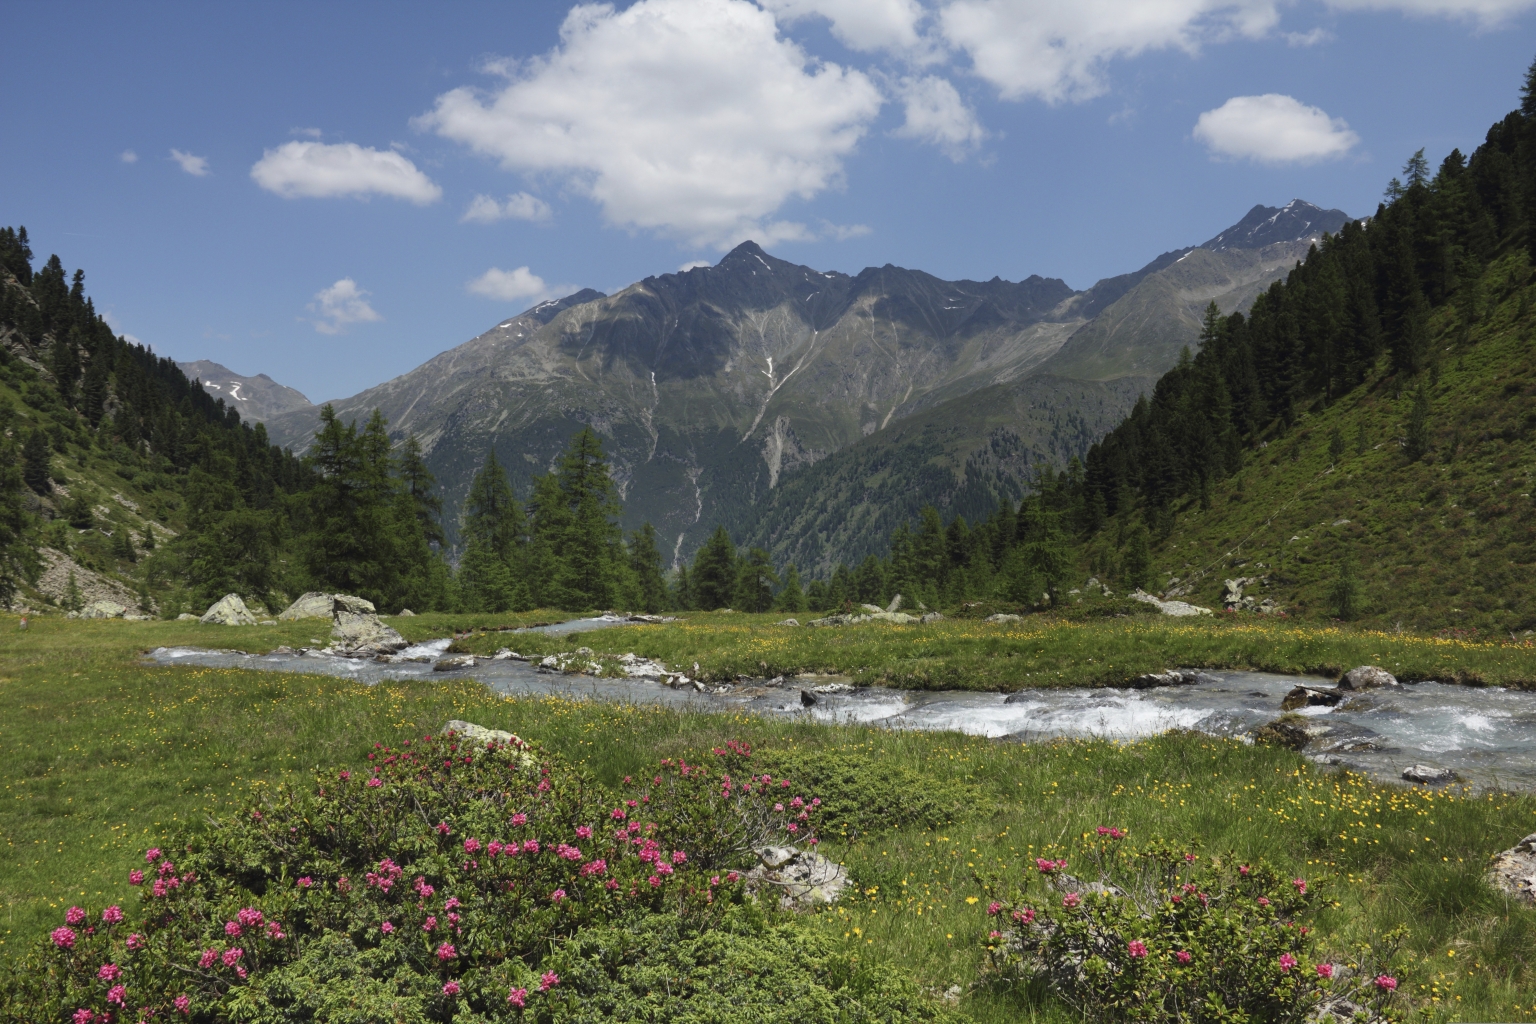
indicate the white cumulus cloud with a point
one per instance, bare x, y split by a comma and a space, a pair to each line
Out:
864, 25
341, 305
937, 115
196, 166
517, 285
692, 118
519, 206
128, 156
1057, 51
321, 170
1274, 129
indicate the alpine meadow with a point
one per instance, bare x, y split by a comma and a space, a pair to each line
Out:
756, 642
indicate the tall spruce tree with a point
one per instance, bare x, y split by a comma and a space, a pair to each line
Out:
791, 598
492, 530
35, 454
714, 572
755, 580
645, 566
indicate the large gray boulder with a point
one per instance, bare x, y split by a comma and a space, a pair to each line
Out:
313, 605
228, 610
802, 878
1367, 677
1514, 870
356, 630
103, 610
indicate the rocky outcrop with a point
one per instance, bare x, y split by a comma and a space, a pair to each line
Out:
1003, 617
1281, 733
313, 605
1175, 608
1428, 775
53, 582
1514, 870
228, 610
1367, 677
1307, 696
1172, 677
103, 610
356, 630
878, 615
803, 879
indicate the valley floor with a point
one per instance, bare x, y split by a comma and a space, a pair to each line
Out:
107, 755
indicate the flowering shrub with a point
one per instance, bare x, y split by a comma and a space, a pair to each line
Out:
439, 881
1152, 933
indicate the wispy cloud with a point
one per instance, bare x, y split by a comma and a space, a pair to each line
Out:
197, 166
340, 306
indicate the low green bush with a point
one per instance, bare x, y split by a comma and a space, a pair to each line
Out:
1160, 934
449, 881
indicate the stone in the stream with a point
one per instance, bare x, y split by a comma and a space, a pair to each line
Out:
1307, 696
103, 610
802, 878
1172, 677
229, 610
356, 630
454, 661
1514, 870
1019, 698
809, 699
1367, 677
1428, 774
313, 605
1282, 734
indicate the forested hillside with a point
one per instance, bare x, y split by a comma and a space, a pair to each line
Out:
1359, 445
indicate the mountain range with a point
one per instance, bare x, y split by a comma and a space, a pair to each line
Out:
257, 398
807, 410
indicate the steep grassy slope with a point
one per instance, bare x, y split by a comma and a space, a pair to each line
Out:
1444, 542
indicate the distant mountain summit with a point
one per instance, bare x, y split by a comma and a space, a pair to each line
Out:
1296, 221
257, 398
714, 387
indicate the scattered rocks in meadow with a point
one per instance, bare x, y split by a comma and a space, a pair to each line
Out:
872, 609
787, 622
228, 610
407, 613
313, 605
186, 617
1514, 870
895, 605
1367, 677
1175, 608
356, 630
1428, 775
1307, 696
928, 617
877, 615
804, 879
1003, 617
103, 610
653, 619
454, 661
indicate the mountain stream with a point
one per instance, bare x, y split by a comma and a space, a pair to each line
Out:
1486, 735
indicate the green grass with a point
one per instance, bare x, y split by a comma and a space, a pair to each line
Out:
1039, 651
107, 755
1444, 543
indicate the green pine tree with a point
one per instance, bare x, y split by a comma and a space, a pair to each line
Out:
645, 565
714, 572
1136, 562
35, 454
791, 598
492, 530
755, 580
1344, 593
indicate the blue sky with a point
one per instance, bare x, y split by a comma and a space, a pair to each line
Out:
333, 193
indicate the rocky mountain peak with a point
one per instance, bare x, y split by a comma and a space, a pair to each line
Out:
1296, 221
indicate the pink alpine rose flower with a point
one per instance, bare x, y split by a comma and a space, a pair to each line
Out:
1136, 948
64, 938
518, 997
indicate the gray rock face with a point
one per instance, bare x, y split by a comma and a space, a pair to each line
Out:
1175, 608
788, 622
313, 605
186, 617
103, 610
1367, 677
228, 610
1514, 870
895, 605
1003, 617
802, 878
355, 629
1428, 775
931, 617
